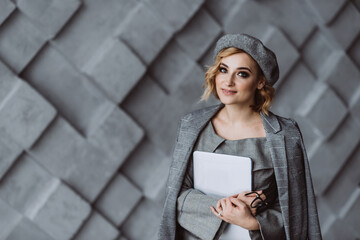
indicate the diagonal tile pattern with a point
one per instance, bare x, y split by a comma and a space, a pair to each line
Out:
91, 93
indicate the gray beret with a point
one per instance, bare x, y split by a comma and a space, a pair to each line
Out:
265, 58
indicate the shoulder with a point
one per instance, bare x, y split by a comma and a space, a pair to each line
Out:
196, 120
201, 113
289, 126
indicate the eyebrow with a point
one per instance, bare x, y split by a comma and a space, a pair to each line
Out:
240, 68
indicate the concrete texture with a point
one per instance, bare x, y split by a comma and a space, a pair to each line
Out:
49, 16
97, 227
26, 229
17, 32
6, 8
63, 213
91, 93
111, 60
118, 199
327, 11
175, 13
154, 31
25, 114
197, 36
286, 53
33, 185
10, 219
68, 90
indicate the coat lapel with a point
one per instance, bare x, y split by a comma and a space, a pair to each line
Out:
188, 133
276, 143
191, 127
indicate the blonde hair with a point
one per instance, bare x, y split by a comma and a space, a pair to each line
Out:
263, 97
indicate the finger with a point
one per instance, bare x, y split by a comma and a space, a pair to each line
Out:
245, 192
228, 201
254, 193
237, 202
263, 196
235, 196
218, 206
253, 211
249, 194
216, 213
242, 195
223, 203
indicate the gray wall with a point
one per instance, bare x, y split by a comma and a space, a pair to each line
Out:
91, 93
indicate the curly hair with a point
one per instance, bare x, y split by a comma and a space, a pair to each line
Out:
263, 97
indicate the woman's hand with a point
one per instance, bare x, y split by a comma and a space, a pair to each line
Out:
235, 211
248, 199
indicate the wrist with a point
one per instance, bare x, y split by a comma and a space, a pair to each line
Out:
252, 224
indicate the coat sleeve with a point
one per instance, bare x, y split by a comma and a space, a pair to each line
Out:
193, 210
314, 232
271, 223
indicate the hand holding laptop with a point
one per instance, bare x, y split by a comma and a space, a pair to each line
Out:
249, 198
227, 176
236, 212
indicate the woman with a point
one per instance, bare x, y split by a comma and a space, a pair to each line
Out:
283, 203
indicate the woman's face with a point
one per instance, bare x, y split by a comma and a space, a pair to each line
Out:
237, 79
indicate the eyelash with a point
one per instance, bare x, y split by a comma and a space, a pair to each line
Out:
241, 74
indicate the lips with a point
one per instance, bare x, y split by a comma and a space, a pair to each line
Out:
228, 92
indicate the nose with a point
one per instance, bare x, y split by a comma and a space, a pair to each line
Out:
229, 81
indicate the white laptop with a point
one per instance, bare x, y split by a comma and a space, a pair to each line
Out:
215, 174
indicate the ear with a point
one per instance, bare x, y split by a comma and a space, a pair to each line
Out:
261, 82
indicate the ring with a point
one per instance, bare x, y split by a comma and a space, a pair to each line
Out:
220, 213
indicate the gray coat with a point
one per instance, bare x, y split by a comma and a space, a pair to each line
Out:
291, 167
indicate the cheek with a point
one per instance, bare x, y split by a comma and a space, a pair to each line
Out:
246, 86
217, 82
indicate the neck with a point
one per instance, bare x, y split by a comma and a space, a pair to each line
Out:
238, 114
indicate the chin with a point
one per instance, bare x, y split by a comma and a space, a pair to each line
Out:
228, 101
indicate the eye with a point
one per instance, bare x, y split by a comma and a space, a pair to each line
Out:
243, 74
222, 70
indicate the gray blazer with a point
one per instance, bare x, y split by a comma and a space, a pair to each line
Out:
291, 167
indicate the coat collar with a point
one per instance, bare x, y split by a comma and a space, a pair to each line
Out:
270, 122
196, 123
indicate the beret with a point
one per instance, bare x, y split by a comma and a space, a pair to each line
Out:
264, 57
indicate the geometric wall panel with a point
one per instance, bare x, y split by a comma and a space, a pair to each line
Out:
25, 114
63, 213
49, 16
19, 33
148, 26
175, 13
323, 109
97, 227
325, 10
6, 8
26, 229
67, 89
91, 94
344, 28
115, 68
334, 153
199, 34
90, 26
114, 203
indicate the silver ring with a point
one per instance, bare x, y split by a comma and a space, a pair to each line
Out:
220, 213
